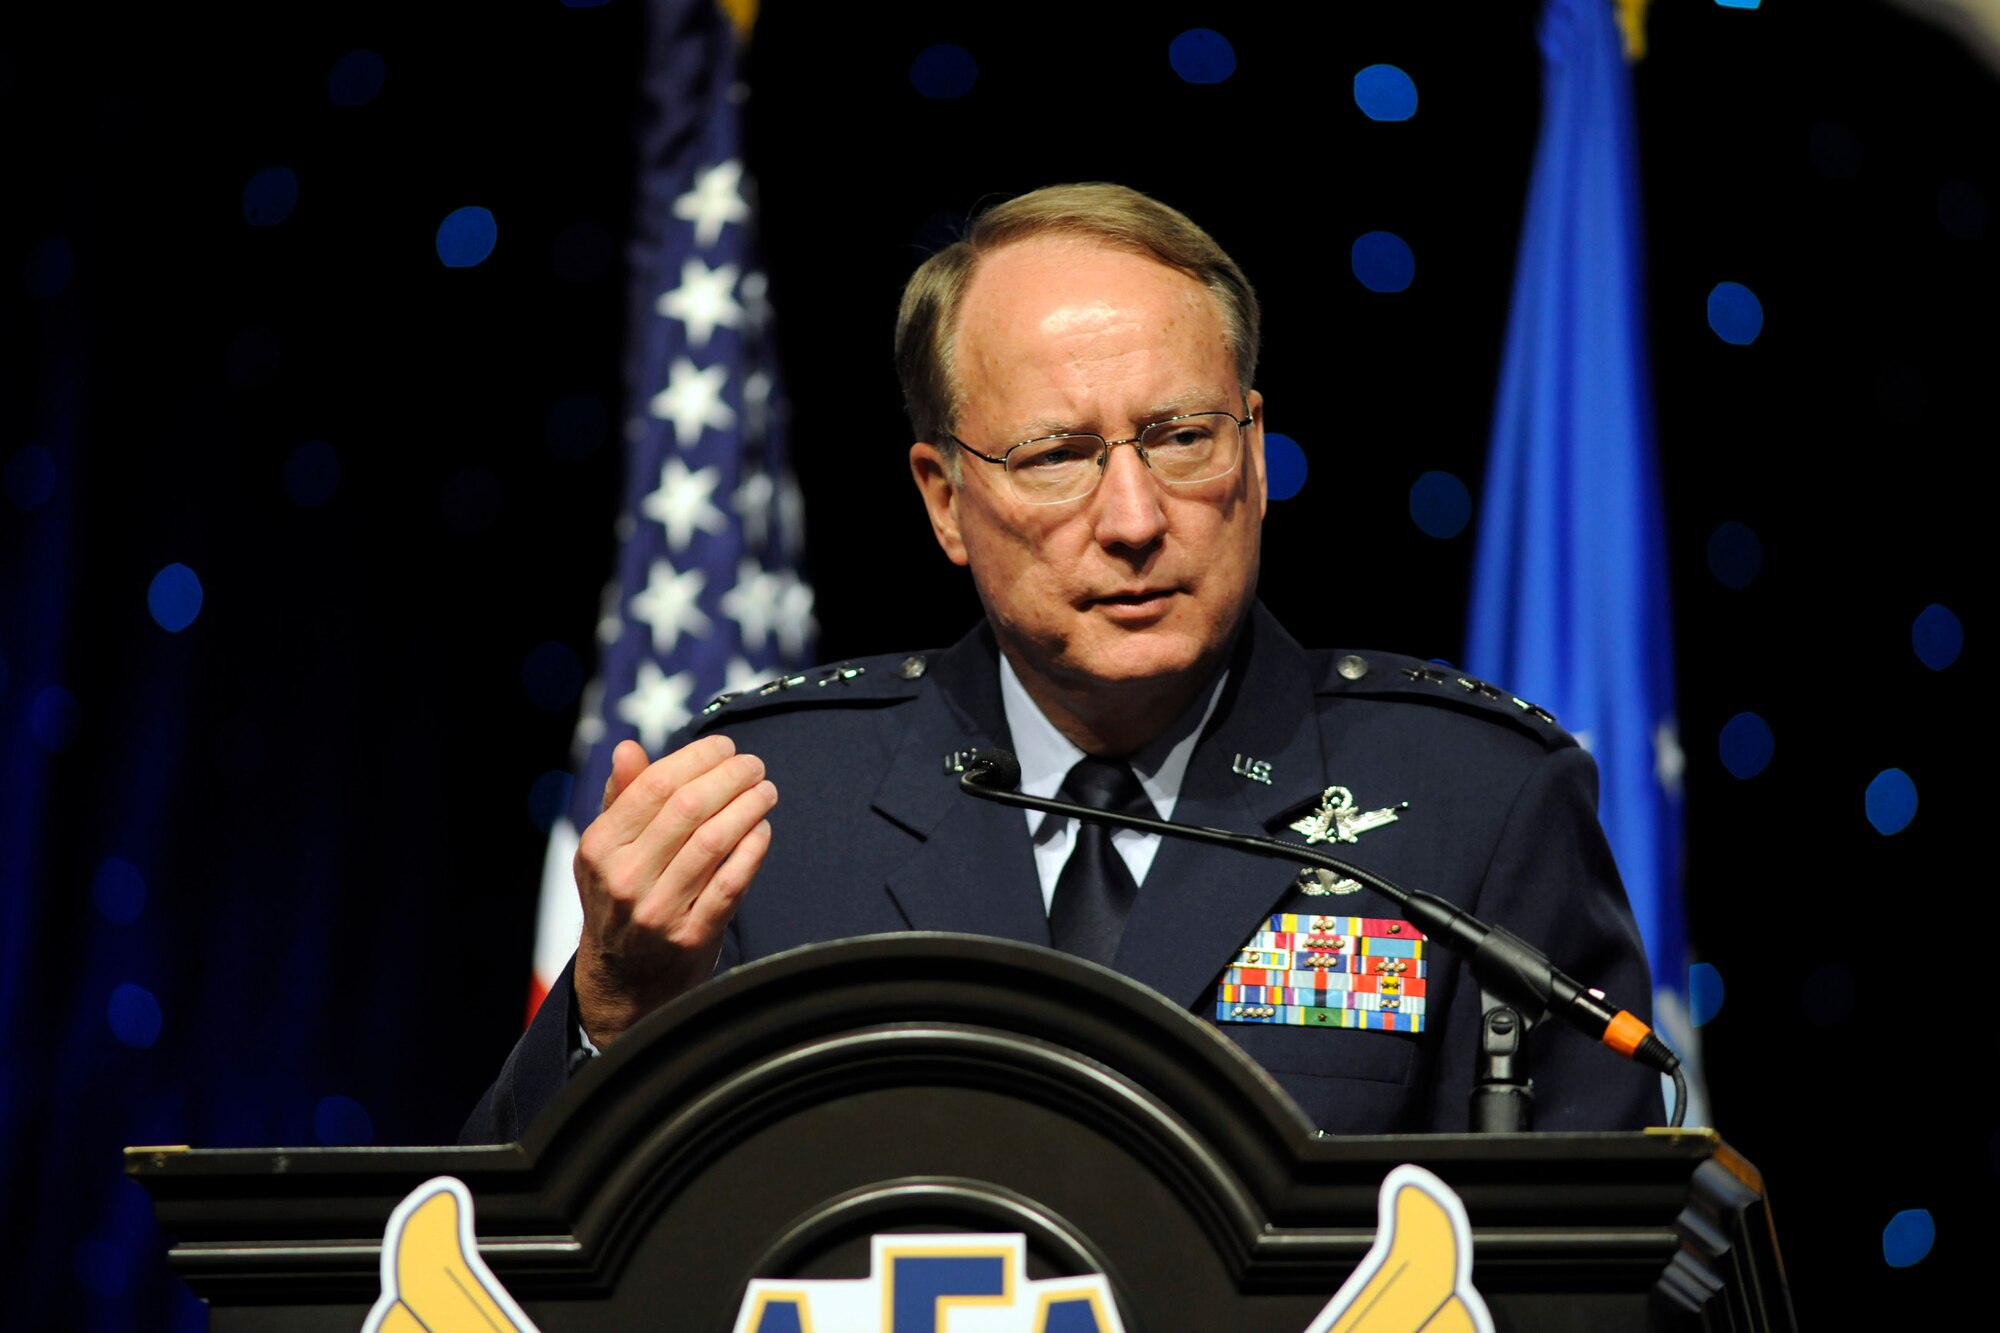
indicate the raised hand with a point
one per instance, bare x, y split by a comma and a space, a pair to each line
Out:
660, 872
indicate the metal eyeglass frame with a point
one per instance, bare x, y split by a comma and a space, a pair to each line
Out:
1104, 454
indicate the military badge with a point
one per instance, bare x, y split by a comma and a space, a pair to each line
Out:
1335, 820
1320, 970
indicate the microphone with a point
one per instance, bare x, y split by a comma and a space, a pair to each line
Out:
1502, 962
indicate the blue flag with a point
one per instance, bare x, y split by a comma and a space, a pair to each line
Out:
707, 595
1569, 603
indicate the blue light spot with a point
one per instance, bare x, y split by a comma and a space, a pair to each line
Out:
1891, 801
270, 197
1746, 745
356, 79
578, 426
1908, 1237
312, 474
1384, 92
944, 73
119, 891
101, 1267
552, 675
1704, 993
1440, 505
54, 718
1202, 55
1284, 467
1829, 995
51, 264
1739, 4
1383, 262
471, 501
1937, 636
1962, 210
583, 252
175, 598
1735, 556
342, 1122
1735, 313
548, 797
134, 1016
466, 236
31, 478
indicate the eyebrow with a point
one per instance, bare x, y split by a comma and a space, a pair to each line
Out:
1179, 406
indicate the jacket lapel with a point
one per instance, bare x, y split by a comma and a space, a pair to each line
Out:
972, 868
1199, 904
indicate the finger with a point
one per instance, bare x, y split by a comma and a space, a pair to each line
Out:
692, 804
628, 761
709, 914
686, 878
633, 809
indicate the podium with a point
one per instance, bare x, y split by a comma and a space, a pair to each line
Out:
771, 1123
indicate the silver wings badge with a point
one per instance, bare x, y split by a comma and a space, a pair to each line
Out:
1335, 820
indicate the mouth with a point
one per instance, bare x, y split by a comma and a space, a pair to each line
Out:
1138, 602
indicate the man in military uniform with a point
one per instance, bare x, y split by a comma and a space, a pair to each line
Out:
1079, 375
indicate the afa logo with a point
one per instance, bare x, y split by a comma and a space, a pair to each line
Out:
1416, 1278
929, 1284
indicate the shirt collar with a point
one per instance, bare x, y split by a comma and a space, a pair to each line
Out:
1046, 755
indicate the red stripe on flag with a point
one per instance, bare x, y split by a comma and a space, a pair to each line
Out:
537, 992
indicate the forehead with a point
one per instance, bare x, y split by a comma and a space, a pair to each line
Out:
1064, 320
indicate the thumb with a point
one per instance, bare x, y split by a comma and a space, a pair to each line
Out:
628, 761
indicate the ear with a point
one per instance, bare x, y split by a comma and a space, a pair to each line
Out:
940, 492
1253, 446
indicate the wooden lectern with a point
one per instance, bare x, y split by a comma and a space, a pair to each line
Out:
769, 1124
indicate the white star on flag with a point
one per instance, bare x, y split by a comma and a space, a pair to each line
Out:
753, 603
590, 716
793, 621
682, 504
739, 676
657, 704
1669, 762
756, 294
757, 405
792, 516
752, 503
671, 604
609, 624
714, 202
703, 302
692, 401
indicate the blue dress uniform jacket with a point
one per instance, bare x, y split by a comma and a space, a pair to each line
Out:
872, 835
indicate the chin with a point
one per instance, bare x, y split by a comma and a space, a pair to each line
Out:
1141, 656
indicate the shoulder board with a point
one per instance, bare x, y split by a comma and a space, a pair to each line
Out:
1380, 675
861, 680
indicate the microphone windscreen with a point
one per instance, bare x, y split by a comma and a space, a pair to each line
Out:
998, 770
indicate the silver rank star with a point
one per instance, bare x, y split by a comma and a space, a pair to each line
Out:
1336, 820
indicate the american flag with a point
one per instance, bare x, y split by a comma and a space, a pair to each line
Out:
707, 595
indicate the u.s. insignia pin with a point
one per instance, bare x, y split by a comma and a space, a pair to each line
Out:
1337, 821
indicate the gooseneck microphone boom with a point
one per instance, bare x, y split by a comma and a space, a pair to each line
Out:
1502, 962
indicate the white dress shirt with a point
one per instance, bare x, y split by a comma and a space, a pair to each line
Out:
1047, 756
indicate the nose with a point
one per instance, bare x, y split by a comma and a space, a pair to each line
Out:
1130, 512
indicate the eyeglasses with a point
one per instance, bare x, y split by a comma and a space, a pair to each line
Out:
1180, 451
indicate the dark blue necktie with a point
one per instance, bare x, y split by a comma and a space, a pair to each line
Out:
1094, 893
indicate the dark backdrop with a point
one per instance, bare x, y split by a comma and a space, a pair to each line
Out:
300, 829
